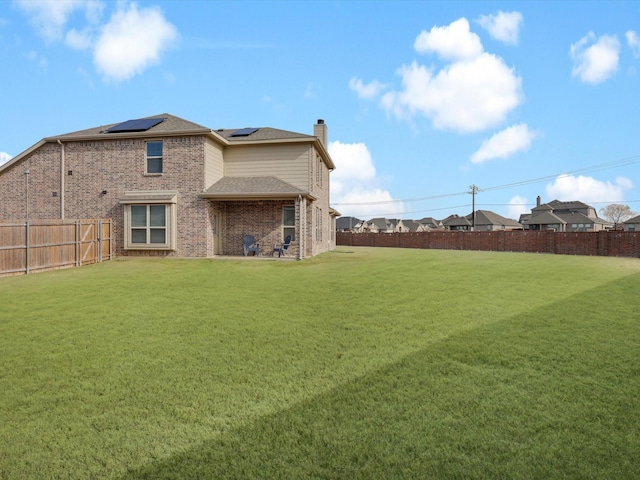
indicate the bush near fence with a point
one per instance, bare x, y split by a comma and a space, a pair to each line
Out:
41, 245
603, 243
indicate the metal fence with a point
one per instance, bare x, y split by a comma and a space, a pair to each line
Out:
52, 244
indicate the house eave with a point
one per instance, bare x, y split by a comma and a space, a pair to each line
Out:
226, 197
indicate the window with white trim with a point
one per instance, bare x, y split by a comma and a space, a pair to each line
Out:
154, 158
150, 220
289, 222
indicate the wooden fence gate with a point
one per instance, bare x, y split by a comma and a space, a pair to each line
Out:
51, 244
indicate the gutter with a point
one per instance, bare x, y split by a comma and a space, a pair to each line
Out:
62, 159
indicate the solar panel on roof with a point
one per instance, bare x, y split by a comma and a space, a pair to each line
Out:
244, 132
138, 125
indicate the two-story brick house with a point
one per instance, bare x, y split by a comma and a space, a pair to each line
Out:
176, 188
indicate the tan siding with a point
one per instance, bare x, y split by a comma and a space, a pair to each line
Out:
213, 163
287, 162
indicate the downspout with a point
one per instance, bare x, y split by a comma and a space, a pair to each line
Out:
61, 179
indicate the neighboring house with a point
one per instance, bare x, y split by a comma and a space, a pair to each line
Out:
456, 222
632, 225
378, 225
560, 216
430, 223
347, 224
409, 226
490, 221
176, 188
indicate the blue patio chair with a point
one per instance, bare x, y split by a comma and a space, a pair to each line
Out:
282, 248
249, 245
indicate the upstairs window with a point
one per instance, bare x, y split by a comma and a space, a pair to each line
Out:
154, 157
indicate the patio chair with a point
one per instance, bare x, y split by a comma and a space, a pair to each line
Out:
282, 248
249, 245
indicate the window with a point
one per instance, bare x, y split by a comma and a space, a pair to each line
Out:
150, 220
154, 157
289, 222
148, 224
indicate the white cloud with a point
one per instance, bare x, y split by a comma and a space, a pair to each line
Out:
132, 41
475, 91
466, 96
50, 16
78, 40
504, 26
370, 90
452, 42
587, 189
355, 181
505, 143
517, 206
634, 42
4, 158
595, 60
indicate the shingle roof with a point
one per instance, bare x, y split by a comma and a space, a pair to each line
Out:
457, 221
261, 134
170, 124
545, 218
486, 217
249, 187
635, 219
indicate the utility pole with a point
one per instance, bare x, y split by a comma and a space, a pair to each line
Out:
473, 190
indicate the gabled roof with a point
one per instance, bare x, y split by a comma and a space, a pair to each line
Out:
456, 221
429, 221
633, 220
170, 124
486, 217
412, 225
260, 134
380, 223
175, 126
231, 188
343, 223
545, 218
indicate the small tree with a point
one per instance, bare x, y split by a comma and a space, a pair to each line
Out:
616, 213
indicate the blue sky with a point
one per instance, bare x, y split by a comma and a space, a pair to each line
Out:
422, 99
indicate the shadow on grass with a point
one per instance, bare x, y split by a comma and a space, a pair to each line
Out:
550, 394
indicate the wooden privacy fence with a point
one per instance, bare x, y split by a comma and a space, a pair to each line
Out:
51, 244
603, 243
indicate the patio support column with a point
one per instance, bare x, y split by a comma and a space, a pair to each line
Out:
301, 207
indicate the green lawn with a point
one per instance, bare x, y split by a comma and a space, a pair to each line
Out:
361, 363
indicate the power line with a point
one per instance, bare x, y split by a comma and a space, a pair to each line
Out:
603, 166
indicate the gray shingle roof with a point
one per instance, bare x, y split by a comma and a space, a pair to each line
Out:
170, 124
487, 217
261, 134
252, 187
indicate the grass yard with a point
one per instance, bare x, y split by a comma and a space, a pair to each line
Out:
358, 364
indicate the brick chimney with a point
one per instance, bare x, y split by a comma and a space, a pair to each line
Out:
320, 131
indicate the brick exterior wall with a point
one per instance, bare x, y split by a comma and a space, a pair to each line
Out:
603, 243
116, 166
262, 219
320, 189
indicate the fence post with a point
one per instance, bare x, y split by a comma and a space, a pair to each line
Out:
99, 235
77, 243
26, 246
